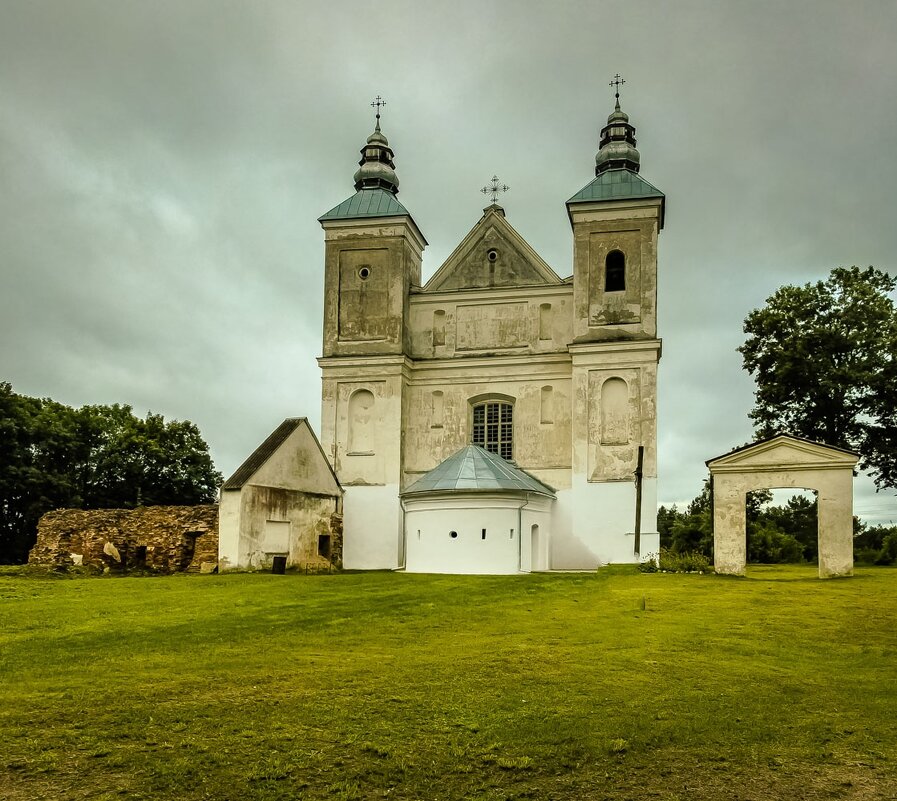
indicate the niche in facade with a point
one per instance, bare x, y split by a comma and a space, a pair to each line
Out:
614, 412
547, 404
437, 409
438, 327
545, 321
361, 422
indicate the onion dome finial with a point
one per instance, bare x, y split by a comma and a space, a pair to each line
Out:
616, 147
376, 169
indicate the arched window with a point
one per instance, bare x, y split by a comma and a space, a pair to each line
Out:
615, 272
493, 427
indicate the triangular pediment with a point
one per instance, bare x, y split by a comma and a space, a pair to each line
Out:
290, 458
493, 254
783, 452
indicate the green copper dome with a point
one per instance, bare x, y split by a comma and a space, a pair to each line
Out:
474, 469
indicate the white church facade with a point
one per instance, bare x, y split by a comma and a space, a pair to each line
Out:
499, 417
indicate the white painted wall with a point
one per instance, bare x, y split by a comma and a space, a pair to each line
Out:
594, 523
536, 551
229, 529
372, 527
430, 548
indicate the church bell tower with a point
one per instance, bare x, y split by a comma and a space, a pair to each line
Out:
616, 219
373, 252
372, 257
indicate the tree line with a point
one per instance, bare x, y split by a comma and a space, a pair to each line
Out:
93, 457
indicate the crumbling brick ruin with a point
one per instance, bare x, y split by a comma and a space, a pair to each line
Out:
164, 539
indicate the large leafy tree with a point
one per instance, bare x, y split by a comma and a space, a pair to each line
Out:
824, 357
54, 456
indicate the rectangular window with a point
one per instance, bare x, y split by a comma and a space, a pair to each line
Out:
324, 545
484, 533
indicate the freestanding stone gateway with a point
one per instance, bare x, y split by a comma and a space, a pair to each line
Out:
784, 461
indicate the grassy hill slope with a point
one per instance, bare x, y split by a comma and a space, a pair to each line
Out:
360, 686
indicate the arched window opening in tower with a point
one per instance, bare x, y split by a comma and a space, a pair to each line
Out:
615, 272
493, 427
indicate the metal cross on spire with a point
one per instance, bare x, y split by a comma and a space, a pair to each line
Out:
378, 101
494, 187
617, 82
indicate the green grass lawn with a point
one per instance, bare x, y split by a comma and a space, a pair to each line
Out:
611, 685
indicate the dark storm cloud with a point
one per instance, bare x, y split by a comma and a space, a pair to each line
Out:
163, 165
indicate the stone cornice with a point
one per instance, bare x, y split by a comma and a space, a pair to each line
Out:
372, 226
492, 294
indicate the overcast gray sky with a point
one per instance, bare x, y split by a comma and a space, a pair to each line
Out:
162, 166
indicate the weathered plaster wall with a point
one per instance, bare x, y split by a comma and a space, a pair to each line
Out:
298, 465
305, 516
631, 227
368, 273
437, 425
229, 510
175, 538
606, 437
532, 320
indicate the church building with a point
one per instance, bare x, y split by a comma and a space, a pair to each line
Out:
499, 417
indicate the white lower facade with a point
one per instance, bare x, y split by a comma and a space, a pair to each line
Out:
583, 422
587, 526
372, 528
595, 524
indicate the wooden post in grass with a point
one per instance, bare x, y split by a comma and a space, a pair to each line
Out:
638, 500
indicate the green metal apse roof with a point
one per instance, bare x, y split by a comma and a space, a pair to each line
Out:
475, 469
367, 203
616, 185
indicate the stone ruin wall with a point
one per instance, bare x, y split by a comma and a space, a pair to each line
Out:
164, 539
336, 547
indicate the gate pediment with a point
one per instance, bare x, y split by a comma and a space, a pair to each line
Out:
783, 452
